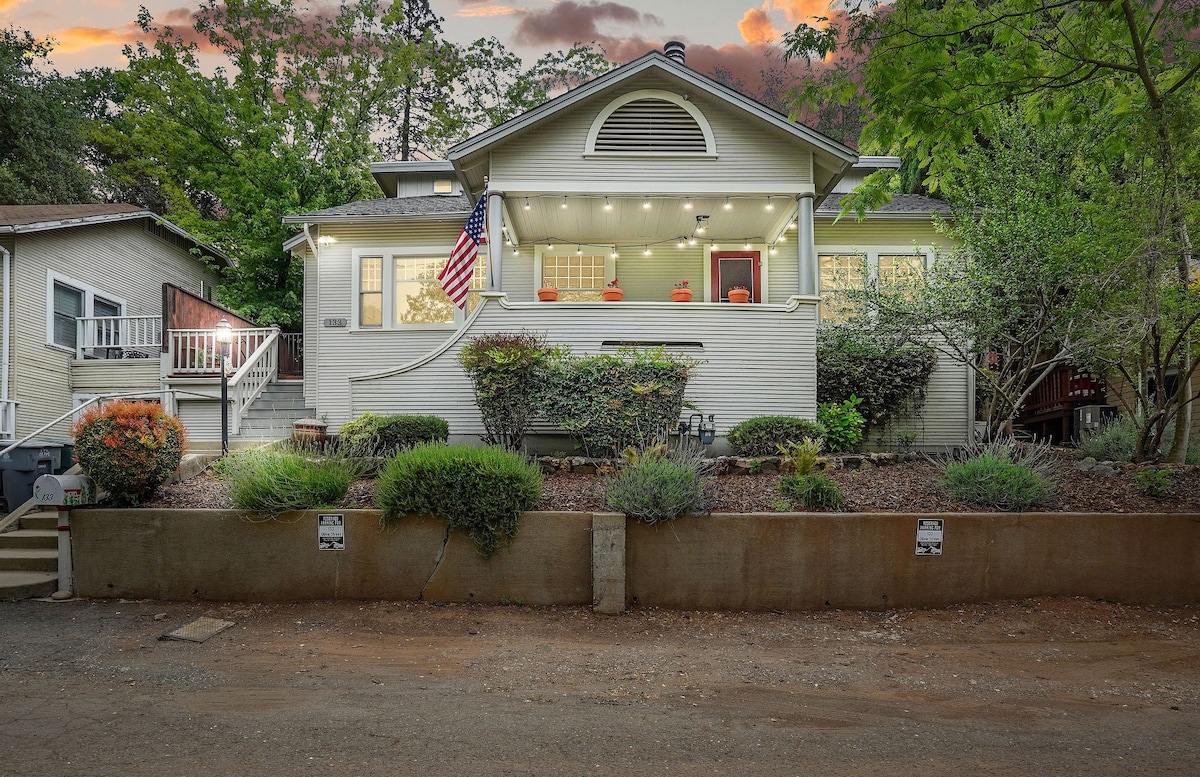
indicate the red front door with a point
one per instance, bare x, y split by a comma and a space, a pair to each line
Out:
736, 268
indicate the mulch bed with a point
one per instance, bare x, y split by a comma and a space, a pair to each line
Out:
910, 487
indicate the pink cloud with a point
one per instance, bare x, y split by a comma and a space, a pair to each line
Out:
571, 22
490, 10
757, 29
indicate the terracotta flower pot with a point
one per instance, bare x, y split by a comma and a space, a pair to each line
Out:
613, 295
681, 295
547, 294
739, 296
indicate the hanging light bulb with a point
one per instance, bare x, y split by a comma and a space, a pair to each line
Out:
770, 205
607, 204
578, 249
615, 254
728, 204
687, 204
646, 252
564, 204
550, 247
526, 203
716, 247
679, 244
782, 239
746, 247
692, 242
792, 225
645, 203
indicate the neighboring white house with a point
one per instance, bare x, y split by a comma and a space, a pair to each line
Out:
81, 294
650, 174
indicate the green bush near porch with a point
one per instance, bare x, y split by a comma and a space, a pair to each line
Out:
764, 434
383, 435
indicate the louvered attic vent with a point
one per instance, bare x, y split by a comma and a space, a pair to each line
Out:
651, 126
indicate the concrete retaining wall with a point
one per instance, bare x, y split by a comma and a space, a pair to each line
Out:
720, 562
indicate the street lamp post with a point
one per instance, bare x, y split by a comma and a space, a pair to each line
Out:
224, 336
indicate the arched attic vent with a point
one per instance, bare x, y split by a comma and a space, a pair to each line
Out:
651, 122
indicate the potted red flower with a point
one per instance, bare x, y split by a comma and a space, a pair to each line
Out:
738, 294
612, 292
682, 292
547, 294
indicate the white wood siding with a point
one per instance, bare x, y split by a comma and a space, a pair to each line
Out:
332, 354
947, 419
752, 156
758, 359
120, 259
103, 376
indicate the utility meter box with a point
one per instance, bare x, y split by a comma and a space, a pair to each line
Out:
64, 490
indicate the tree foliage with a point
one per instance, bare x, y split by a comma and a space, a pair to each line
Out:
43, 127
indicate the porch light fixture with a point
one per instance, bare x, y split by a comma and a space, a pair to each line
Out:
645, 203
564, 202
223, 334
607, 204
687, 204
526, 203
728, 204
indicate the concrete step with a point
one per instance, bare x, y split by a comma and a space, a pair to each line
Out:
30, 538
43, 519
26, 585
29, 560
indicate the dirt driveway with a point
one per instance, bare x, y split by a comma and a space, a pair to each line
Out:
1045, 687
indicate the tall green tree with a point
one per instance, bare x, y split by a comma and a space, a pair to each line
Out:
284, 126
932, 75
43, 126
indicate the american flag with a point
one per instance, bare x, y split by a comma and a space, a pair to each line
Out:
456, 275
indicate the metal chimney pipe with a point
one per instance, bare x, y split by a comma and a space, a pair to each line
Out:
674, 50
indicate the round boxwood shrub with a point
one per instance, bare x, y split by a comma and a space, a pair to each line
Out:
481, 491
762, 436
129, 448
382, 435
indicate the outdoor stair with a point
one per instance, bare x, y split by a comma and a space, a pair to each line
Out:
29, 557
273, 414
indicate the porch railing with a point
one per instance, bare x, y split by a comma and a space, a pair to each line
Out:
8, 419
291, 353
117, 337
197, 352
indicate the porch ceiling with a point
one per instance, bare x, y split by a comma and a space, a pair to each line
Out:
595, 220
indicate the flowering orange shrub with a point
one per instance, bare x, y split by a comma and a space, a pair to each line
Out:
129, 448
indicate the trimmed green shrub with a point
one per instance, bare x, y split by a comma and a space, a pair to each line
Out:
1002, 475
383, 435
129, 448
888, 374
281, 480
656, 489
762, 436
506, 370
609, 403
813, 491
481, 491
843, 425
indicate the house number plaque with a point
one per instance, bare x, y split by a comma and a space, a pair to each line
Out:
335, 322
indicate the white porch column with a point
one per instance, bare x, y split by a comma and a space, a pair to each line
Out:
806, 237
495, 239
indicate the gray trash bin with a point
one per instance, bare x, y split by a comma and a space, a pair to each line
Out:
21, 466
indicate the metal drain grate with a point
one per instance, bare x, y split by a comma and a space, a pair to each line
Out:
198, 630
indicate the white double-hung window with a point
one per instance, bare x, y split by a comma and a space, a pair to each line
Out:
68, 300
845, 271
399, 288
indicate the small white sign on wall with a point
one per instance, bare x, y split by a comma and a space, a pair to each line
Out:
331, 531
929, 536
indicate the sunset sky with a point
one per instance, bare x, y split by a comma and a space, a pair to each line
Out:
734, 34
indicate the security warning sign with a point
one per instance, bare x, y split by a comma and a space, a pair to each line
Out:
331, 531
929, 536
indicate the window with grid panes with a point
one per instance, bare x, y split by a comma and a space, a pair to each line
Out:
578, 277
903, 270
370, 292
841, 273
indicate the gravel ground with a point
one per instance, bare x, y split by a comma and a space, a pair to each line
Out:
1049, 687
906, 487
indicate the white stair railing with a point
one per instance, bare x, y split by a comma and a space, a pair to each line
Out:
257, 371
118, 336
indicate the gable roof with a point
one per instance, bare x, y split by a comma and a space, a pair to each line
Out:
22, 219
386, 208
899, 206
654, 60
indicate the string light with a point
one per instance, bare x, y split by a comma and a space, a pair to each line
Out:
679, 244
781, 239
687, 204
770, 205
645, 203
578, 249
746, 247
526, 203
607, 204
728, 204
692, 242
564, 204
646, 252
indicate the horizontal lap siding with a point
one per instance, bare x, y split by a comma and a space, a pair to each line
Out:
884, 232
119, 259
332, 355
109, 375
755, 360
947, 419
750, 153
